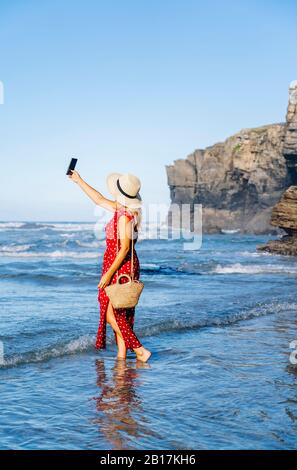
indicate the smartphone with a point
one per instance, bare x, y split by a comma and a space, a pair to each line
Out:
71, 166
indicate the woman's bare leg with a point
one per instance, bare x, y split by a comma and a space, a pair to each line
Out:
110, 318
142, 353
122, 350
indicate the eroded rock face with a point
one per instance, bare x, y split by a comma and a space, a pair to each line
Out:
290, 141
237, 181
287, 246
284, 215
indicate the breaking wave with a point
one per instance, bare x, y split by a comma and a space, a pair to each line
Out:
239, 268
14, 248
60, 226
75, 346
50, 254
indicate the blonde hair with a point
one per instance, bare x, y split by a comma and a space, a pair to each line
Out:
138, 215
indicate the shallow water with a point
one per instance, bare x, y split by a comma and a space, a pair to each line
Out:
219, 322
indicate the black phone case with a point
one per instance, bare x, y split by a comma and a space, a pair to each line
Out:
71, 166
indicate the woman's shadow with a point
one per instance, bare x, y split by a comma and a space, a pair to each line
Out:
119, 404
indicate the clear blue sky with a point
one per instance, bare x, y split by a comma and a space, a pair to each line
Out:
130, 86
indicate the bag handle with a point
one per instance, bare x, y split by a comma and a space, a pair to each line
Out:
124, 275
132, 253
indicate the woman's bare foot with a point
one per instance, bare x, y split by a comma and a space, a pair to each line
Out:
123, 358
143, 354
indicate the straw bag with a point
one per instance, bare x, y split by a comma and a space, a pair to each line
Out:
125, 295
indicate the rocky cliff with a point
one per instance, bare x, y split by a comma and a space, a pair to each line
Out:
239, 181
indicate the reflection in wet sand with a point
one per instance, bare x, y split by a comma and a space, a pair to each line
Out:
119, 404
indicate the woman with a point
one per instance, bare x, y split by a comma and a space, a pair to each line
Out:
126, 208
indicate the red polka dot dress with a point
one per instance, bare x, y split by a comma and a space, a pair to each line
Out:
124, 316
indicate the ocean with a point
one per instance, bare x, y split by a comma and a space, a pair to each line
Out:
220, 322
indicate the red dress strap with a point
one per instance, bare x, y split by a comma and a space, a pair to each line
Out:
127, 213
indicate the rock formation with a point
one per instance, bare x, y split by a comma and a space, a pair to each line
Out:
290, 142
240, 180
284, 215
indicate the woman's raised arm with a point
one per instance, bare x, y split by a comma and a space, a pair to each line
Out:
93, 194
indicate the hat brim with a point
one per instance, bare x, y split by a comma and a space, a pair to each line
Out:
111, 182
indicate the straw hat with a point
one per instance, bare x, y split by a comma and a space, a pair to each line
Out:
125, 188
